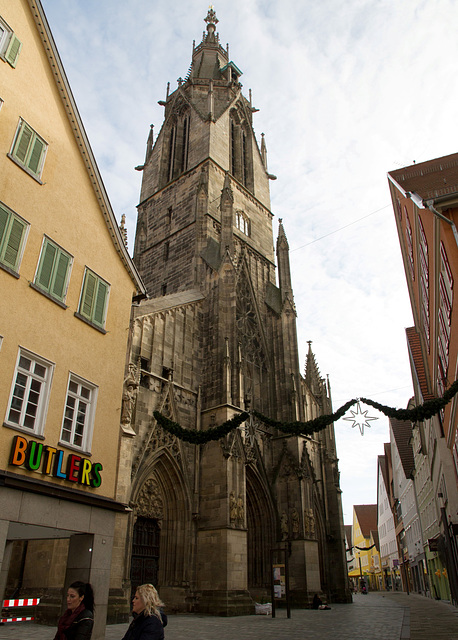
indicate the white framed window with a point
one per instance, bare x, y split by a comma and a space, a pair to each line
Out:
29, 395
78, 421
242, 222
424, 281
29, 149
444, 319
53, 271
13, 232
408, 233
94, 299
10, 45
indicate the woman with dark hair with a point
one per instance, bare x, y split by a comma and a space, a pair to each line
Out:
149, 621
78, 620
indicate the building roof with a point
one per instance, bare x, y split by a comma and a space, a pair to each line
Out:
431, 179
367, 518
375, 538
402, 431
382, 460
414, 345
348, 529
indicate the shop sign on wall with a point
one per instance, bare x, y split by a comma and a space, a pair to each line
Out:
51, 461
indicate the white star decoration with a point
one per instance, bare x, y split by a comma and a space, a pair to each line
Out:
360, 418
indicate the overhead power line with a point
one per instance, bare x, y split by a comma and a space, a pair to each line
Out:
341, 228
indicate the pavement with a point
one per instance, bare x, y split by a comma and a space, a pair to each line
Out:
377, 615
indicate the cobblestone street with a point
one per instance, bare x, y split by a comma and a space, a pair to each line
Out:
379, 616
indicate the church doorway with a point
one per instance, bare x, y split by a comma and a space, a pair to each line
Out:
261, 535
145, 552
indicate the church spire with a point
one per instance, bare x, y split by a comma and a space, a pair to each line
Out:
313, 378
284, 271
211, 21
227, 216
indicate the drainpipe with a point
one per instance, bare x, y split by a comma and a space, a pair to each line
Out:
426, 204
430, 205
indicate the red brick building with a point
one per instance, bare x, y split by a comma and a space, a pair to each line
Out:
425, 202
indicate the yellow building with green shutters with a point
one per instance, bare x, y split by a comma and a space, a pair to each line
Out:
67, 283
367, 569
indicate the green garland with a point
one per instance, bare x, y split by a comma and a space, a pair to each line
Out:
419, 413
200, 437
422, 411
309, 427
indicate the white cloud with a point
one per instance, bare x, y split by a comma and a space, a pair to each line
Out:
346, 92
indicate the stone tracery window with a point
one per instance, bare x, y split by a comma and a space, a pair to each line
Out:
177, 148
249, 336
240, 150
242, 222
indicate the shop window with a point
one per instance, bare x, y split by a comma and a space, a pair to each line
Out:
13, 231
94, 300
79, 413
29, 149
30, 393
53, 270
10, 45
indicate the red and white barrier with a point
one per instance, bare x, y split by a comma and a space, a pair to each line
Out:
19, 602
23, 602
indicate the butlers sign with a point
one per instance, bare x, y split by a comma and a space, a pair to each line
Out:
37, 456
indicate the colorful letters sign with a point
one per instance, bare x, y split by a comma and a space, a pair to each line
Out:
37, 456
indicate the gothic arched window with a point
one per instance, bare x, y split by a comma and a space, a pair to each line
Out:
240, 156
242, 222
178, 146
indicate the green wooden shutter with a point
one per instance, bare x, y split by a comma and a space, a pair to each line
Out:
4, 215
22, 142
46, 265
99, 309
13, 245
35, 157
87, 299
13, 51
60, 278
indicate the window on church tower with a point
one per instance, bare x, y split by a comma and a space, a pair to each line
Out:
178, 147
242, 222
240, 157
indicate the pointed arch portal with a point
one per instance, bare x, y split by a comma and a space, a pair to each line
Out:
261, 532
164, 523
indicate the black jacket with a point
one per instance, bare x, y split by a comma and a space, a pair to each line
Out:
81, 627
145, 627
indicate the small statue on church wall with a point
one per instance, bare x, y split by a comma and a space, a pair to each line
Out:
295, 522
232, 507
284, 526
311, 523
240, 511
128, 395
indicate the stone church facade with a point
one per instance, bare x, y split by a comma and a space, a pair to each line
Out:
216, 337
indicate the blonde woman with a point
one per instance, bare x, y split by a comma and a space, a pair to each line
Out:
149, 621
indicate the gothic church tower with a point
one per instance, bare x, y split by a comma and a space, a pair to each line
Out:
217, 336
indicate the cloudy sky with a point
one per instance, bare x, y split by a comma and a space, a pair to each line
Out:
347, 91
